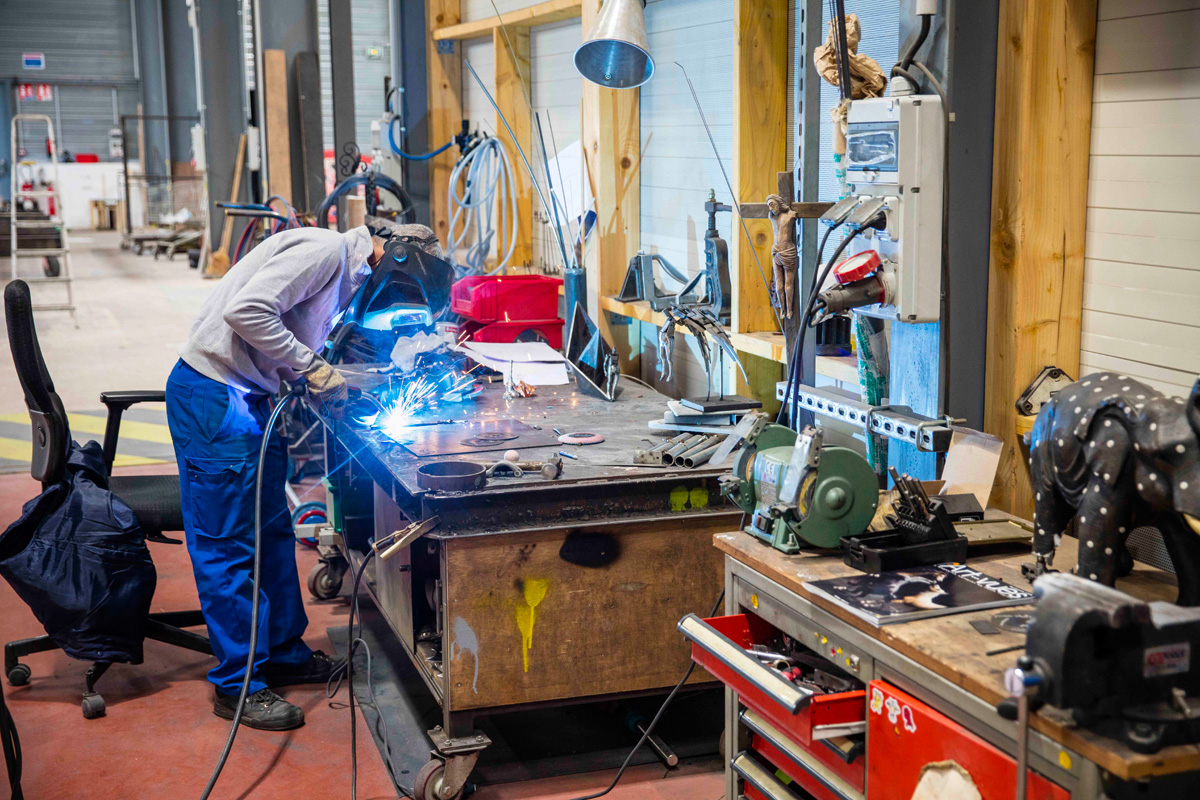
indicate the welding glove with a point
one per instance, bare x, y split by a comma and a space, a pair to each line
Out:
328, 386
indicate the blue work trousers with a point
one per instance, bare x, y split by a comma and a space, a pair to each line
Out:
217, 432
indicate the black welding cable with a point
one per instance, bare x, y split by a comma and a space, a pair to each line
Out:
650, 728
907, 59
791, 393
297, 389
12, 750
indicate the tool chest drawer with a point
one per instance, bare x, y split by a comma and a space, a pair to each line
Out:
910, 744
823, 770
722, 645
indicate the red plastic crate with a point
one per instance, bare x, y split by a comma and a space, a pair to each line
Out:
496, 298
828, 709
547, 330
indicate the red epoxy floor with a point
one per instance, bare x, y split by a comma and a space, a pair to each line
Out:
160, 737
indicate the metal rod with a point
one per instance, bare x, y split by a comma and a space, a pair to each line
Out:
737, 204
1022, 744
665, 754
550, 185
516, 144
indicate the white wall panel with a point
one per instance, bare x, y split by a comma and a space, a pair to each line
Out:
1141, 278
476, 108
678, 166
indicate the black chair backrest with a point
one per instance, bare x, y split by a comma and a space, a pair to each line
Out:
51, 434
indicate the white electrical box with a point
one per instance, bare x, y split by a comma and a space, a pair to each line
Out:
895, 153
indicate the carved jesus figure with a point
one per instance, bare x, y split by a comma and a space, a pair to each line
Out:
785, 259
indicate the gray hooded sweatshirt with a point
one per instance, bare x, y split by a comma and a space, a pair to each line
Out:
274, 309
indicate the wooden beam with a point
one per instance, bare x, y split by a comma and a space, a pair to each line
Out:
512, 90
279, 144
613, 166
445, 108
1044, 68
760, 119
540, 14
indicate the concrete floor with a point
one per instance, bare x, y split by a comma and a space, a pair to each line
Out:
160, 736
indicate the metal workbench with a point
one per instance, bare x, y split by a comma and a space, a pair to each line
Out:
529, 591
941, 662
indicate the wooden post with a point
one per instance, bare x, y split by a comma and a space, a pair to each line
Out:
445, 108
761, 114
279, 147
1044, 68
512, 70
611, 135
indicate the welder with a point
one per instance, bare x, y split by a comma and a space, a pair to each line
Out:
263, 325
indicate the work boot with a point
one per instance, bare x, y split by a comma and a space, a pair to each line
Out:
264, 711
316, 669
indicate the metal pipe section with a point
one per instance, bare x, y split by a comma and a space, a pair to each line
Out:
692, 460
659, 448
668, 457
703, 443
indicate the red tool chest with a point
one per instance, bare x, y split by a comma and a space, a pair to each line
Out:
904, 736
788, 726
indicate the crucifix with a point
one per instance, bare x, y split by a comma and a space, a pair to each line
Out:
783, 211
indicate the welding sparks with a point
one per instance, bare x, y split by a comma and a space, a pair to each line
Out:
418, 395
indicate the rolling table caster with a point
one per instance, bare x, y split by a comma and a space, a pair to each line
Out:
325, 578
444, 777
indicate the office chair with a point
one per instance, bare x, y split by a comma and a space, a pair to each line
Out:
154, 499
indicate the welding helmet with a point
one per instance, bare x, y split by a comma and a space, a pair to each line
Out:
407, 293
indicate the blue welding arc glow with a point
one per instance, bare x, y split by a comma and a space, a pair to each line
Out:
389, 319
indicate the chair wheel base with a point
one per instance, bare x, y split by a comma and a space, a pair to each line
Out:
19, 675
93, 706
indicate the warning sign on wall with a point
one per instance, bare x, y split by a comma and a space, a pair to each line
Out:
35, 91
33, 60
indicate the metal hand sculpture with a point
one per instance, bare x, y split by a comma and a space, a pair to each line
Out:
784, 258
1118, 455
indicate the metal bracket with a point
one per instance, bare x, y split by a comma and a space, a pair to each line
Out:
445, 47
895, 422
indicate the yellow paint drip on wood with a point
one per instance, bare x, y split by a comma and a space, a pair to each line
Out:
534, 590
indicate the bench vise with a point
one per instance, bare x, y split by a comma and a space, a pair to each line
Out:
1122, 666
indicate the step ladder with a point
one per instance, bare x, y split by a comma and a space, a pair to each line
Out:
50, 226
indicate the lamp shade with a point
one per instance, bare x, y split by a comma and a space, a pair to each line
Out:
616, 53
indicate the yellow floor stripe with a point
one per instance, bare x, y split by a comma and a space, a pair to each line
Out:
82, 423
22, 450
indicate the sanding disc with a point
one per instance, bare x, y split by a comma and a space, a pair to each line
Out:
580, 437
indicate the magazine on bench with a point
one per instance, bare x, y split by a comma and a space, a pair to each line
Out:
918, 593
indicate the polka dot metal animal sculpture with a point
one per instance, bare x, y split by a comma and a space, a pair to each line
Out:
1116, 455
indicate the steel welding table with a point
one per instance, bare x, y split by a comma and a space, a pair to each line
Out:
934, 670
532, 591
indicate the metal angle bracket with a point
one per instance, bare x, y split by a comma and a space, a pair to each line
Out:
894, 422
445, 47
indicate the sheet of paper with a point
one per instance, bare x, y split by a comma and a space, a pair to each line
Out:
971, 464
535, 373
566, 171
515, 351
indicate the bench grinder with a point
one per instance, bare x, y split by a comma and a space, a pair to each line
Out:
799, 491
